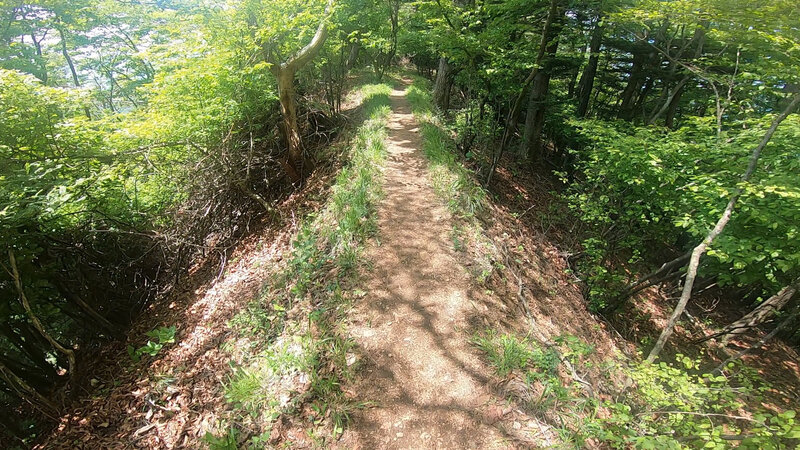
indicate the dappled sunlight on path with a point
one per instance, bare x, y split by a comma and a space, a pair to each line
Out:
426, 382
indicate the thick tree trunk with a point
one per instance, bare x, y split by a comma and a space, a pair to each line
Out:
442, 86
698, 251
761, 313
586, 84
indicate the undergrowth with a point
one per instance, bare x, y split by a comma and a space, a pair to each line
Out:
293, 353
670, 406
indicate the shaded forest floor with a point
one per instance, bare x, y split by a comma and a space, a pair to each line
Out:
432, 284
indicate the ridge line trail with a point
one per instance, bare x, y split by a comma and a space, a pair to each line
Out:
428, 387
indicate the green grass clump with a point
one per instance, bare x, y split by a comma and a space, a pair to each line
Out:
313, 349
450, 179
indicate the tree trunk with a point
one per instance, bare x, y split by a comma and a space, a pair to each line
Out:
39, 58
355, 47
698, 251
629, 95
531, 145
669, 119
28, 348
291, 131
761, 313
586, 83
284, 72
71, 65
442, 85
512, 117
573, 75
65, 53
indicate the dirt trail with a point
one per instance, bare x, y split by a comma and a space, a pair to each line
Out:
428, 385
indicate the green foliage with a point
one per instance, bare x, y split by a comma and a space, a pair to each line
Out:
228, 441
642, 187
675, 407
537, 367
664, 405
161, 336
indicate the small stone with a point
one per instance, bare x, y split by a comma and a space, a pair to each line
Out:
517, 425
400, 434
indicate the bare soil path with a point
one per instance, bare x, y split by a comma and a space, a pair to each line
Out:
427, 383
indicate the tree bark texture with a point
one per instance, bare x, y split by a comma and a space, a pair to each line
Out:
285, 73
442, 85
767, 309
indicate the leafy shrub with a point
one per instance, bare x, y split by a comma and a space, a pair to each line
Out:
638, 189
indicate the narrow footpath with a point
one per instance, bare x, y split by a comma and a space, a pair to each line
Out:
428, 387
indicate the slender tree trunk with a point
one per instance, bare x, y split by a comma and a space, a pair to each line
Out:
758, 345
28, 348
71, 65
531, 145
626, 109
573, 76
39, 58
669, 119
586, 83
68, 352
285, 72
513, 113
671, 95
355, 47
291, 131
68, 58
698, 251
27, 393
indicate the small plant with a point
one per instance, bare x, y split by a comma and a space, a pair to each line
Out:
228, 441
161, 335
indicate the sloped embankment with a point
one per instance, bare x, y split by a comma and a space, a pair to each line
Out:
270, 303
